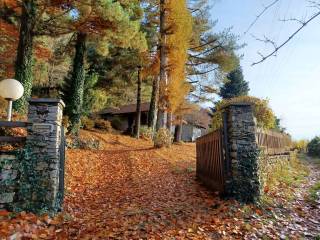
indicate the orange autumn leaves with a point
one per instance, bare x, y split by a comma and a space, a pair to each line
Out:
29, 226
9, 39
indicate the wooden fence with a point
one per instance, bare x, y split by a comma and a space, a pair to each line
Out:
210, 160
273, 143
12, 139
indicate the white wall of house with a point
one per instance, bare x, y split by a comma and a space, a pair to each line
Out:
190, 133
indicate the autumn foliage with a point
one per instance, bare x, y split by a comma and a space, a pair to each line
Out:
178, 43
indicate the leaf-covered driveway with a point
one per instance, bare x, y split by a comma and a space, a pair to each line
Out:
132, 191
128, 190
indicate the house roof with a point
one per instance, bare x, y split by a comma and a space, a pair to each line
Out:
131, 108
199, 118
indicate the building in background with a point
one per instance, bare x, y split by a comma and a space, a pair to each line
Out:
195, 124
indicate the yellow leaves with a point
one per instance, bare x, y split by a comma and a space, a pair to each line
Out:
179, 21
262, 111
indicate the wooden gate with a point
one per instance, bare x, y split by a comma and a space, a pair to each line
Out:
211, 161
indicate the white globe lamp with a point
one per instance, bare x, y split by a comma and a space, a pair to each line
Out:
11, 90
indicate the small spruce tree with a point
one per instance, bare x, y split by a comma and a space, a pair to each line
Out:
236, 86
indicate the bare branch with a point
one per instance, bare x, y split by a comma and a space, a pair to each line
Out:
260, 15
288, 40
202, 73
293, 20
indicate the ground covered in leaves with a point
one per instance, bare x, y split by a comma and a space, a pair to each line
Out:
129, 190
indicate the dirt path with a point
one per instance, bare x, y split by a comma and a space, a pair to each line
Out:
132, 191
299, 219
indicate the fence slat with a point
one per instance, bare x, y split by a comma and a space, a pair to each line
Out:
210, 160
273, 143
13, 124
12, 139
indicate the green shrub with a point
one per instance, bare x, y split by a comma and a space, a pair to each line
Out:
103, 125
314, 147
87, 123
163, 138
146, 133
87, 144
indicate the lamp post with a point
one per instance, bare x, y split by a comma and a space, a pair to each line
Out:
11, 90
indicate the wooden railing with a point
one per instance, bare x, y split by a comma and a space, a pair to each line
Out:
210, 160
12, 139
273, 143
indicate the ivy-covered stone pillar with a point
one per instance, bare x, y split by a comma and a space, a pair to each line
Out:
9, 178
42, 156
243, 181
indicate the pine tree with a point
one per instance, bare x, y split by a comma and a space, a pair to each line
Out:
235, 86
211, 55
113, 23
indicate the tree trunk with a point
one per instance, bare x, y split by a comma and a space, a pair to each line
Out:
24, 59
163, 64
153, 110
169, 121
74, 108
177, 133
161, 119
138, 111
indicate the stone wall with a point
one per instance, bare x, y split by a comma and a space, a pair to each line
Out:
44, 140
9, 179
269, 163
243, 182
30, 176
248, 164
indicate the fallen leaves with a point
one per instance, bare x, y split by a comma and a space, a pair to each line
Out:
132, 191
29, 226
129, 190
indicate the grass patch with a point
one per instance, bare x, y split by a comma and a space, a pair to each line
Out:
282, 180
308, 159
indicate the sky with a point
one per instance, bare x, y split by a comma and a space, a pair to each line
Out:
291, 80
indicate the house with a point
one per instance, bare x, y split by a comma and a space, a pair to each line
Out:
194, 125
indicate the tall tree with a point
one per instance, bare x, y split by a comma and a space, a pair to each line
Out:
138, 106
178, 42
211, 54
162, 114
24, 60
37, 18
235, 85
115, 23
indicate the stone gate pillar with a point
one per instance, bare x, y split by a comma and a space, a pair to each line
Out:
243, 180
44, 143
